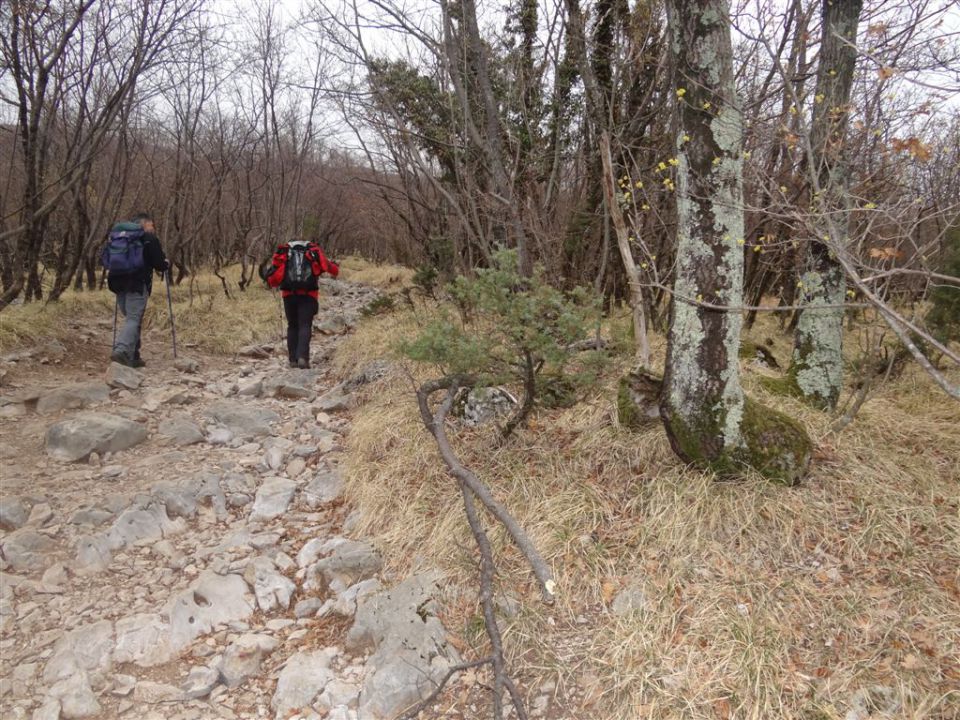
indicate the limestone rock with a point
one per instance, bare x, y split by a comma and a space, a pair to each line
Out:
307, 608
211, 601
411, 649
239, 489
243, 657
219, 436
180, 431
88, 648
183, 499
324, 488
291, 385
76, 698
27, 550
339, 693
154, 693
54, 579
251, 388
316, 548
346, 602
93, 516
295, 467
13, 512
271, 588
143, 639
347, 565
72, 397
333, 401
273, 458
49, 710
142, 523
123, 377
93, 554
41, 515
273, 498
302, 679
199, 682
76, 437
242, 420
332, 324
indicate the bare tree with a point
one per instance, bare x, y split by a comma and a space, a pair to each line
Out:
49, 50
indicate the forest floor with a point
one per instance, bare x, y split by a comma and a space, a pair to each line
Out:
679, 596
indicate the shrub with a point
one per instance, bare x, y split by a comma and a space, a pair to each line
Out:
510, 329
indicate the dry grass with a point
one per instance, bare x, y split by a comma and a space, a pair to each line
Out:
205, 317
761, 601
387, 277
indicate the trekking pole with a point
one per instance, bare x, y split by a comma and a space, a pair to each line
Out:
280, 316
173, 329
116, 304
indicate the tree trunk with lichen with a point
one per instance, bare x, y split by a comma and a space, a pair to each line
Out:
816, 370
708, 420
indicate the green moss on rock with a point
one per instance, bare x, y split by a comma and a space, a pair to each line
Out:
774, 445
777, 446
785, 385
638, 398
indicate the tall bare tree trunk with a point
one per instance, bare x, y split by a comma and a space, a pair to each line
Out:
708, 420
817, 365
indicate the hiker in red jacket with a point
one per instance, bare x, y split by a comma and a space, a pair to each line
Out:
296, 267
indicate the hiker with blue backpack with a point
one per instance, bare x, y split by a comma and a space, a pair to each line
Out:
296, 265
131, 256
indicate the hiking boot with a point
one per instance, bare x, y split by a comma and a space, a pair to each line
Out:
303, 364
120, 358
291, 363
138, 363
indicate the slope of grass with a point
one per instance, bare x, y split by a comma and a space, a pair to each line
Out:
759, 601
205, 317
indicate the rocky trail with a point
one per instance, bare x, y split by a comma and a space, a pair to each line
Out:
174, 543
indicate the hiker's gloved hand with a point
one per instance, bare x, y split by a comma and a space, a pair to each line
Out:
164, 267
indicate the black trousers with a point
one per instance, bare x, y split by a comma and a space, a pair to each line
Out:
300, 311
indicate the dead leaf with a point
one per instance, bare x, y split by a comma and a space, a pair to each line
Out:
914, 146
722, 708
608, 589
911, 662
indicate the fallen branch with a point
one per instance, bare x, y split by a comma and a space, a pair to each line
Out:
435, 424
471, 487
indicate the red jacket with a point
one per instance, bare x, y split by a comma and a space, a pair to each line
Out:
318, 261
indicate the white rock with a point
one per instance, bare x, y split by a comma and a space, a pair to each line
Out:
302, 679
273, 498
200, 682
271, 588
243, 656
143, 639
213, 600
76, 698
89, 647
154, 693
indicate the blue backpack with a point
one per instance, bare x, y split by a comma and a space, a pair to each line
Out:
123, 253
